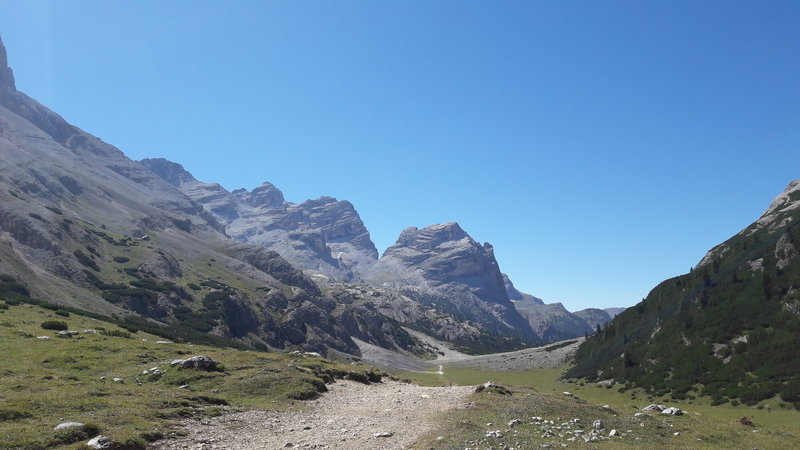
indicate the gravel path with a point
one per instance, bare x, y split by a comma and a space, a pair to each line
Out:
350, 416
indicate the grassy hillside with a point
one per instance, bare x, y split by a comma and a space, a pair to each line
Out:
728, 329
46, 381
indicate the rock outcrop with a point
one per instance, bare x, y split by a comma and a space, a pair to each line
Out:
6, 74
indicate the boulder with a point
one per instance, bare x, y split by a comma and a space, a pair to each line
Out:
598, 425
68, 425
197, 362
654, 407
102, 443
673, 411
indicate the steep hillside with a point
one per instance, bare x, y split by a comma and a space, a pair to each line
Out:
325, 237
727, 329
83, 226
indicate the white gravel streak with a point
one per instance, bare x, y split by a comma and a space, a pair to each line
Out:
347, 417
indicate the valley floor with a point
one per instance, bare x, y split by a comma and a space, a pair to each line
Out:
351, 415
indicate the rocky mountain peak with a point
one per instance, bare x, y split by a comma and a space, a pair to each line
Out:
445, 260
431, 236
172, 172
266, 195
514, 294
788, 200
6, 74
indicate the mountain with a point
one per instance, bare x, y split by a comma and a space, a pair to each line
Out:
83, 226
595, 317
325, 237
439, 267
727, 329
613, 312
451, 271
515, 296
551, 322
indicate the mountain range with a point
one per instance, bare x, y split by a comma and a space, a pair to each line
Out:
146, 244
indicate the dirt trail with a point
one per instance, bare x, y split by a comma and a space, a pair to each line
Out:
349, 416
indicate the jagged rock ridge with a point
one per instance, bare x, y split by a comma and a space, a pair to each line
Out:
323, 236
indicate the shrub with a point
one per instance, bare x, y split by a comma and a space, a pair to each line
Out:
86, 260
116, 333
791, 392
13, 414
62, 313
121, 259
58, 325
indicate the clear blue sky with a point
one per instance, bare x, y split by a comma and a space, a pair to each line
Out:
600, 146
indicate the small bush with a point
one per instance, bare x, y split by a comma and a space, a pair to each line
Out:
4, 305
194, 287
121, 259
62, 313
36, 216
86, 260
58, 325
7, 415
116, 333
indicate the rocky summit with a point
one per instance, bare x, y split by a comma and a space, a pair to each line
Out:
456, 273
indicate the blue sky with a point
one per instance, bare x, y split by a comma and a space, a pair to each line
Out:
601, 147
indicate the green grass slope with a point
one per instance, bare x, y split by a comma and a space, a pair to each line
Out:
44, 382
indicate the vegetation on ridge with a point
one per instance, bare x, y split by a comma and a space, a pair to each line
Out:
728, 329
